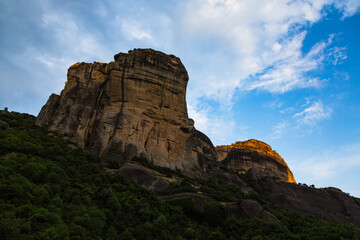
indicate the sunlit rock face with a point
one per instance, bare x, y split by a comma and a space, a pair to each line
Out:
133, 106
256, 156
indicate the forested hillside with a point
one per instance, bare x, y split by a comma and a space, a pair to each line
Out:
50, 189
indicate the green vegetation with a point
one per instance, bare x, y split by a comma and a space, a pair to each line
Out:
51, 191
315, 228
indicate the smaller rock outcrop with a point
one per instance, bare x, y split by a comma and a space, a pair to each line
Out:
256, 156
147, 178
3, 125
253, 209
327, 203
48, 110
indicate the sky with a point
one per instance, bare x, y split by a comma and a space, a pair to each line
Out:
285, 72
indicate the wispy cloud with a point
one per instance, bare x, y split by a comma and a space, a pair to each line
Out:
70, 35
329, 166
348, 8
337, 55
219, 128
290, 68
275, 104
279, 129
134, 30
313, 114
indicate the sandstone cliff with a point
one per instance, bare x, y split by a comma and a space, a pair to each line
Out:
256, 156
133, 106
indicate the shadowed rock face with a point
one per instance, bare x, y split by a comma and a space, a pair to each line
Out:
328, 203
256, 156
133, 106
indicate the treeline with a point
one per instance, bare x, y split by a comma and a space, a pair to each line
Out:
48, 190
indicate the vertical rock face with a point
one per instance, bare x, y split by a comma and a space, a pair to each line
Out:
133, 106
256, 156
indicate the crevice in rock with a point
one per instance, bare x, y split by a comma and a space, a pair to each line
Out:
148, 137
97, 108
122, 98
162, 94
88, 82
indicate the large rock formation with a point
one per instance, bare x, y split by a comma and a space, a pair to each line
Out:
133, 106
256, 156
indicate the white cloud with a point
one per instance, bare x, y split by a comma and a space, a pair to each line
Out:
71, 37
337, 55
313, 114
290, 68
219, 128
279, 129
348, 8
134, 30
266, 40
275, 104
329, 164
260, 43
70, 42
287, 110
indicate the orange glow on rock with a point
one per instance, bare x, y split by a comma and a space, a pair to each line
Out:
262, 148
75, 64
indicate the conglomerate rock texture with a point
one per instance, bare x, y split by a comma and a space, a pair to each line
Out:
256, 156
133, 106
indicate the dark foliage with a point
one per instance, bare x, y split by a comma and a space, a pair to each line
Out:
51, 191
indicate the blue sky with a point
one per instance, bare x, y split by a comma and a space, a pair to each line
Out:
284, 72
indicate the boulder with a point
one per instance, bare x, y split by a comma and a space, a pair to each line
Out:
145, 177
253, 209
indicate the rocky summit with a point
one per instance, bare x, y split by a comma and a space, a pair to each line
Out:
256, 156
135, 106
132, 107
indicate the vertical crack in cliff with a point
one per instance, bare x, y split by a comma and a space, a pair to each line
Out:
97, 108
118, 117
90, 74
149, 135
162, 94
